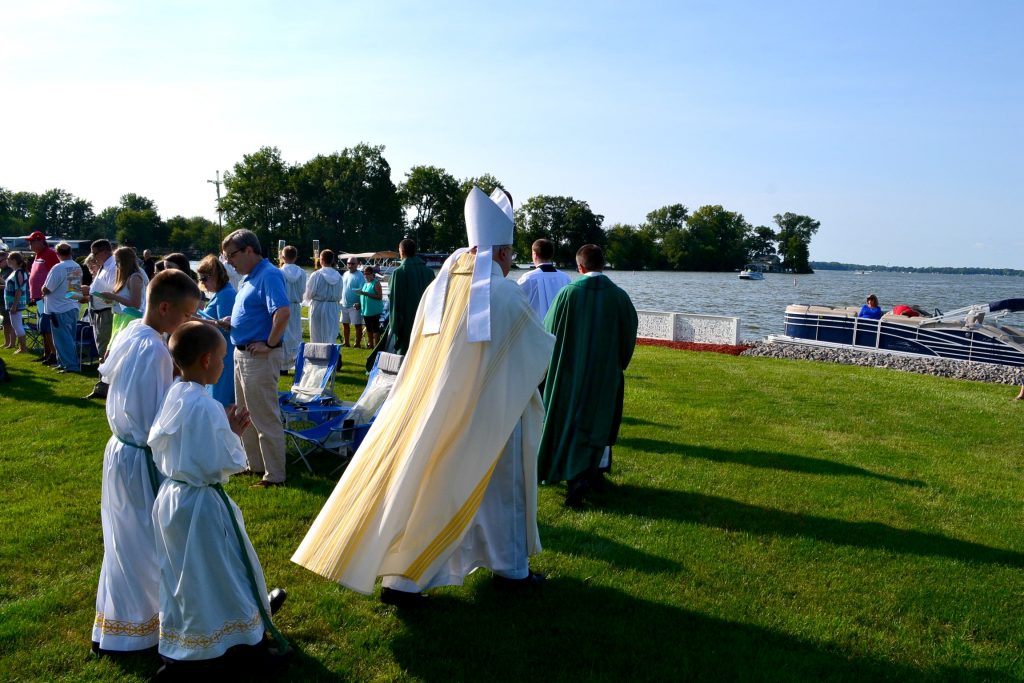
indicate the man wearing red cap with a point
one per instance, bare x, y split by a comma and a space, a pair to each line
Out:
46, 258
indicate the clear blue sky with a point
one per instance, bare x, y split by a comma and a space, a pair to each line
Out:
898, 125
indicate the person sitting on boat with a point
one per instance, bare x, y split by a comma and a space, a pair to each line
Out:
870, 309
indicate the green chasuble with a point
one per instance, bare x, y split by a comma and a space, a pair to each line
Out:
406, 287
594, 323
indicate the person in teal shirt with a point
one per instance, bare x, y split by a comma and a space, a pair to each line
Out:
371, 305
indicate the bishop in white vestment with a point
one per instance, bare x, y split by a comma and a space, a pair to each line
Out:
445, 481
208, 600
140, 371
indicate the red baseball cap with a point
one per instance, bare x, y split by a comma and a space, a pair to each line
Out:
37, 235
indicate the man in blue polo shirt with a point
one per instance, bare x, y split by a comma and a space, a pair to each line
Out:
257, 323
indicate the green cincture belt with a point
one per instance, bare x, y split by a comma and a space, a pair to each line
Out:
282, 644
154, 478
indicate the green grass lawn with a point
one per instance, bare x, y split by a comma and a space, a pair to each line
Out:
768, 519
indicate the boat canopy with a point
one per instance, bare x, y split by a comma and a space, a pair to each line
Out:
370, 255
1009, 305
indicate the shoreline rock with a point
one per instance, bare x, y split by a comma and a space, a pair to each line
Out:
938, 367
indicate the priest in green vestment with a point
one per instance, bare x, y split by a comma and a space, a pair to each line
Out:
405, 289
594, 323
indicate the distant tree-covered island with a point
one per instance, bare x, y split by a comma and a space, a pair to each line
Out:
943, 270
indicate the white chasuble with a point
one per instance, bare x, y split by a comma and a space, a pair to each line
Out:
323, 292
295, 285
412, 492
207, 598
140, 371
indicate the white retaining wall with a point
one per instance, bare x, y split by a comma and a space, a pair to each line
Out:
688, 327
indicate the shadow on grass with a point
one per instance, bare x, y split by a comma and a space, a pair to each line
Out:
301, 666
594, 546
38, 387
785, 462
574, 631
630, 420
731, 515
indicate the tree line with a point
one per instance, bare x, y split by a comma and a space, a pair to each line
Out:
942, 270
347, 201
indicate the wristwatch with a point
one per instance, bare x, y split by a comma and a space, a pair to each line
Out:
274, 346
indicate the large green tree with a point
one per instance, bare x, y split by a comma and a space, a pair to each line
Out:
432, 200
105, 224
137, 228
486, 182
260, 196
629, 248
715, 239
193, 234
16, 212
761, 243
348, 201
59, 213
664, 227
136, 202
794, 235
568, 223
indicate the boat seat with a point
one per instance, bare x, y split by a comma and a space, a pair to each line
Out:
822, 310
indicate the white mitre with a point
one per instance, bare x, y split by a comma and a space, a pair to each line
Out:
489, 224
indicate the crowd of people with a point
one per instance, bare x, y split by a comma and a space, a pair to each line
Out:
505, 385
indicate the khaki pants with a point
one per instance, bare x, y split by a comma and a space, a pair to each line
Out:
256, 378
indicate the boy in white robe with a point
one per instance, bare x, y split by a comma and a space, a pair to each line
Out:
295, 284
140, 371
213, 597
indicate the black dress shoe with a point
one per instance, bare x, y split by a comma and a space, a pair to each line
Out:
277, 598
531, 580
264, 484
250, 473
390, 596
99, 390
578, 490
50, 360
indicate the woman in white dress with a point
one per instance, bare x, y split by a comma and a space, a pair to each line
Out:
323, 292
129, 282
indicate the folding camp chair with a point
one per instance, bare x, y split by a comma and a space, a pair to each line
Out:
341, 433
85, 344
33, 337
315, 367
330, 436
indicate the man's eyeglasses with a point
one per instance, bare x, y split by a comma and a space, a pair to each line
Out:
228, 255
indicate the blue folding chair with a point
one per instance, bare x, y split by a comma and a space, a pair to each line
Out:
311, 397
340, 434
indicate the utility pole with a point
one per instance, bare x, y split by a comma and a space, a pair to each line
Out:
220, 209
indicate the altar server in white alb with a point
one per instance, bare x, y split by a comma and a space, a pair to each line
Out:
445, 481
323, 292
212, 592
295, 285
545, 281
140, 371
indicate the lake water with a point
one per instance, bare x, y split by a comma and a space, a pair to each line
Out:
761, 304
